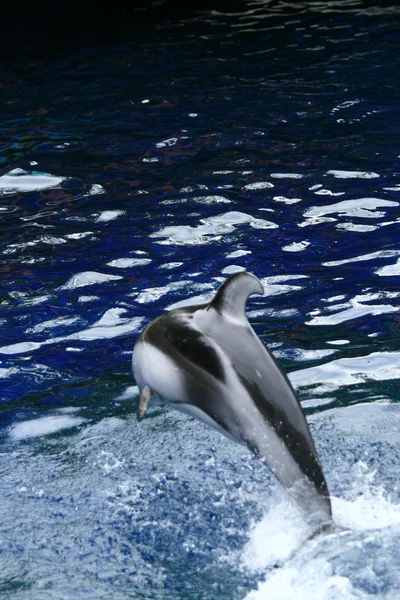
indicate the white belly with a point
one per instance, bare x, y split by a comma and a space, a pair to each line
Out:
155, 369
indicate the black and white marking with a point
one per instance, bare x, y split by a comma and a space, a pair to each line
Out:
207, 361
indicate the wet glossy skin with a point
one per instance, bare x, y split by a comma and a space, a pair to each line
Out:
208, 361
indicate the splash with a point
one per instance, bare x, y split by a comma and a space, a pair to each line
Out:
335, 566
368, 506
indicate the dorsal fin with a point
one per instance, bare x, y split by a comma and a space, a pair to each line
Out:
231, 298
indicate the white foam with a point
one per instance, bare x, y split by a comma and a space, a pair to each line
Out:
314, 581
42, 426
368, 507
273, 539
317, 569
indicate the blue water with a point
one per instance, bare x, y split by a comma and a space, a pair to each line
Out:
135, 176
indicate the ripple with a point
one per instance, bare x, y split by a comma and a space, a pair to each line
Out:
153, 294
325, 192
43, 426
18, 180
362, 257
79, 236
286, 175
356, 311
286, 200
52, 323
109, 215
211, 229
96, 189
356, 228
352, 174
296, 246
259, 185
124, 263
377, 366
43, 239
273, 285
302, 355
207, 200
396, 188
192, 301
171, 265
109, 326
20, 348
229, 270
389, 270
360, 207
88, 278
118, 504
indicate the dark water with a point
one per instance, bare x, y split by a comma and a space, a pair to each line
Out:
137, 173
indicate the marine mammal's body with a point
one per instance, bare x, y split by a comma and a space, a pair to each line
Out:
208, 361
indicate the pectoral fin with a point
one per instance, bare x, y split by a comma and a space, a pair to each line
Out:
143, 402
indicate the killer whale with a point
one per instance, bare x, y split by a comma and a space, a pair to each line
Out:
207, 361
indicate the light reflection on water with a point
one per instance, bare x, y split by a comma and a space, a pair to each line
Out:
135, 179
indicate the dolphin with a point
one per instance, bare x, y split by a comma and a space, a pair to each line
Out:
207, 360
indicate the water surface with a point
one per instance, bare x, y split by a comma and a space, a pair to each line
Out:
136, 175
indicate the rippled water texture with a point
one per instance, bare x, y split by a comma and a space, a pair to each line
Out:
135, 176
